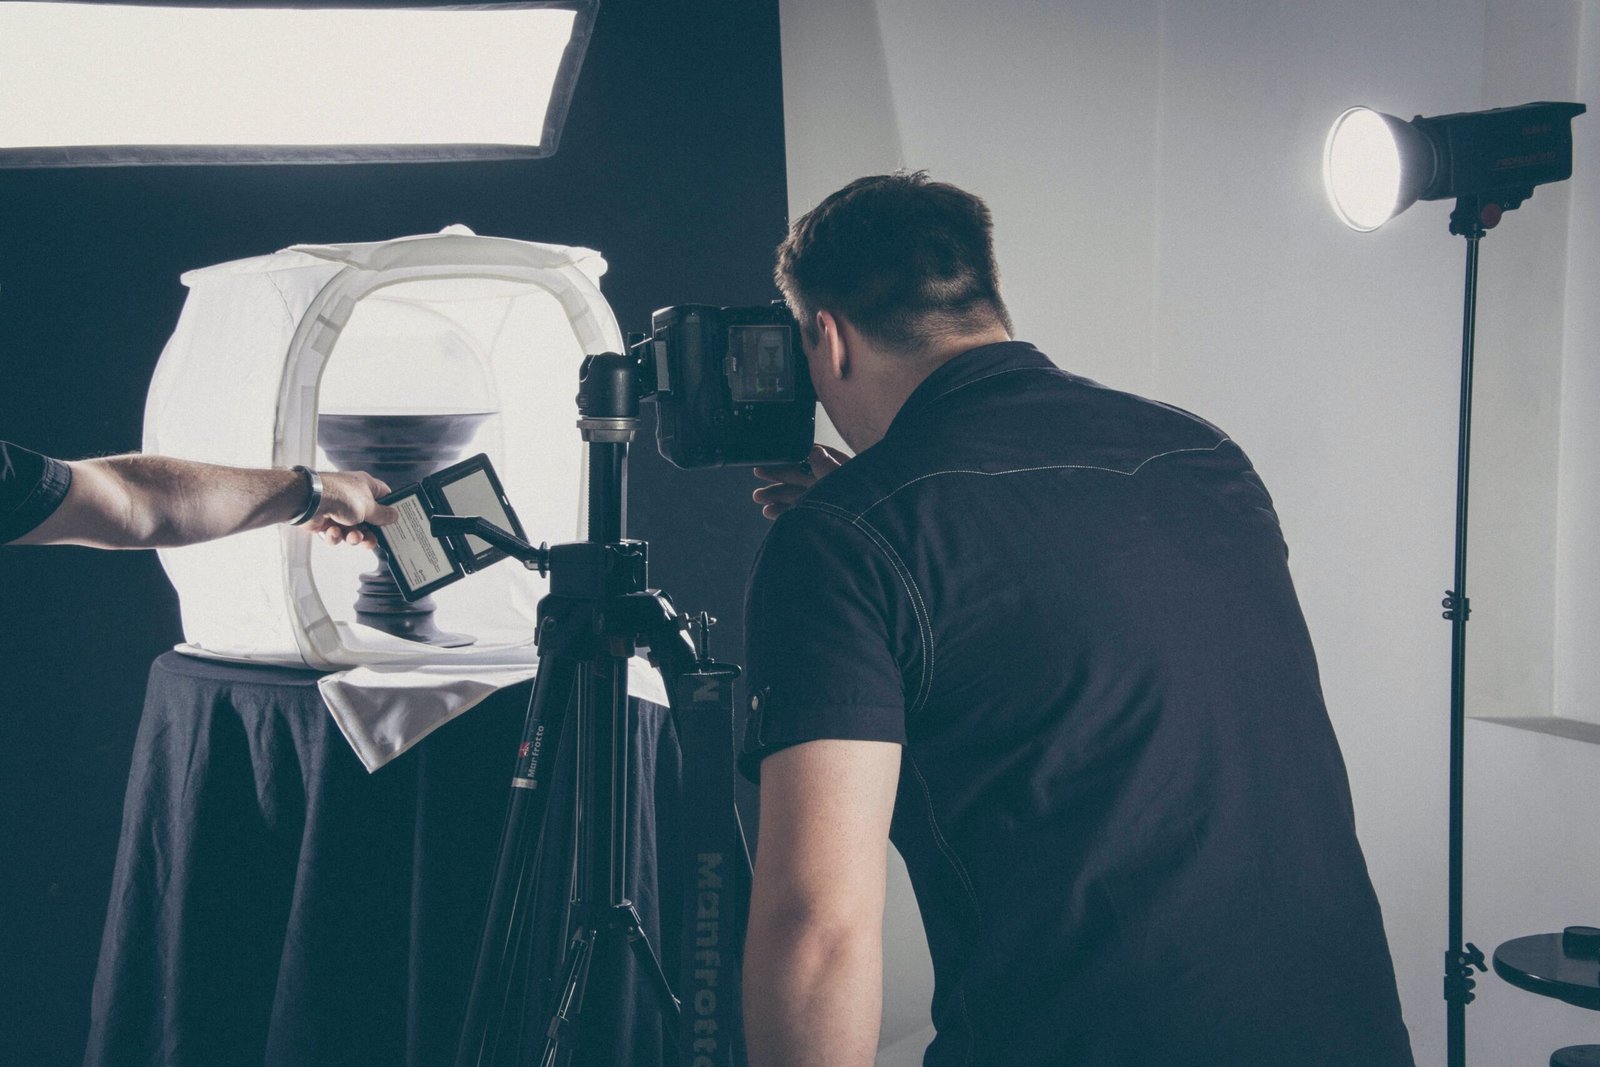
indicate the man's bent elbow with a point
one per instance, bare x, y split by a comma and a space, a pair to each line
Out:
814, 941
812, 992
808, 931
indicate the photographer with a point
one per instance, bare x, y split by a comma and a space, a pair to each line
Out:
1042, 634
139, 501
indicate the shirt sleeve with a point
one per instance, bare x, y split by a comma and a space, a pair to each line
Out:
31, 488
830, 638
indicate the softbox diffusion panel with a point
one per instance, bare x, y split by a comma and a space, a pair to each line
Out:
314, 81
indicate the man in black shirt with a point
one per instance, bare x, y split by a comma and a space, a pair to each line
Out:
140, 501
1042, 635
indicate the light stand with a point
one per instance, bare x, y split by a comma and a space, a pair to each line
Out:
1468, 221
1374, 167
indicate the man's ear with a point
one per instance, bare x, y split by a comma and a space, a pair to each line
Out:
832, 346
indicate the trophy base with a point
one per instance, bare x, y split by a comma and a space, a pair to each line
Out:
381, 607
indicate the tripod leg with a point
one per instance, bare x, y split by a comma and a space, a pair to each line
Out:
604, 745
747, 867
619, 919
626, 917
516, 869
570, 1004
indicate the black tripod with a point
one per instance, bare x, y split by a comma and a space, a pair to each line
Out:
597, 614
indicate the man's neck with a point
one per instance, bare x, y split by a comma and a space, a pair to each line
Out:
941, 354
897, 375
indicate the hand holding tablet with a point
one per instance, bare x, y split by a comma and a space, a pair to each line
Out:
421, 562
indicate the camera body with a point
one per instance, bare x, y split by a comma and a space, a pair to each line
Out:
731, 385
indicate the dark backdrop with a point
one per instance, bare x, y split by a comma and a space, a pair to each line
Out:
671, 164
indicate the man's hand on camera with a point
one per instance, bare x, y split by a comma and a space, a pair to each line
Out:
349, 505
789, 484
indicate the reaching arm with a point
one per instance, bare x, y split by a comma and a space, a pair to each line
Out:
140, 501
813, 968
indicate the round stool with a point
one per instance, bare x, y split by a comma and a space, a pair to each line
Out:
1563, 966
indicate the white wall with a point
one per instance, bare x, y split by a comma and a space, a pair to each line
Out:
1153, 167
1529, 54
1577, 622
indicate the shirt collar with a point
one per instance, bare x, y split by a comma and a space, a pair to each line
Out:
969, 367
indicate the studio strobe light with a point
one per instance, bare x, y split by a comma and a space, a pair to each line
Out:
1375, 165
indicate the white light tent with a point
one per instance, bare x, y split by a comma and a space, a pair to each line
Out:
446, 322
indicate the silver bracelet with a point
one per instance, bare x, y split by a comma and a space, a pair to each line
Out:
314, 480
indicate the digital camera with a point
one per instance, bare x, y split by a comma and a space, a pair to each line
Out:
731, 386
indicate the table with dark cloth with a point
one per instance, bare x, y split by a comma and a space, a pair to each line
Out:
273, 903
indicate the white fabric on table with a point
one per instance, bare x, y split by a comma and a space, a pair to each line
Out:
384, 708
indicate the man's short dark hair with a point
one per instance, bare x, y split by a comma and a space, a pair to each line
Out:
909, 261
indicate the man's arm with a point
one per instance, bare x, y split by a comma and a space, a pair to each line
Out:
140, 501
813, 967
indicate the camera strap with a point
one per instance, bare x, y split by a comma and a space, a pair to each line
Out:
716, 870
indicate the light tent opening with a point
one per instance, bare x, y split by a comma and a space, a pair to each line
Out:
422, 325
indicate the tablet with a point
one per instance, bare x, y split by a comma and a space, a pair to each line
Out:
422, 562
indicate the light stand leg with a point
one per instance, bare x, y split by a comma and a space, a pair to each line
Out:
1461, 959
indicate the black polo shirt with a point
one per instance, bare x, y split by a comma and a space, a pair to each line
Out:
1121, 802
31, 487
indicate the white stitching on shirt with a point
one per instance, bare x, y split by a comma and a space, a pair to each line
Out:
918, 606
966, 883
1051, 467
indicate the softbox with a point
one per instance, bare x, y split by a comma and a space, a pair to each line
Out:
451, 321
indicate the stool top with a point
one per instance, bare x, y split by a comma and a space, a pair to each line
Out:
1539, 965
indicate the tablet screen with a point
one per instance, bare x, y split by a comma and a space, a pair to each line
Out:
420, 557
475, 494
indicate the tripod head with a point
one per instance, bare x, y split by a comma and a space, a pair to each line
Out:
604, 565
609, 389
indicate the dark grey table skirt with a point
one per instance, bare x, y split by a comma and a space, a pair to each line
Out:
273, 903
